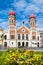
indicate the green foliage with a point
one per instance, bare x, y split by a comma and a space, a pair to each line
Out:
21, 57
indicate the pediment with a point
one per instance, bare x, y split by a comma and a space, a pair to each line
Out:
24, 30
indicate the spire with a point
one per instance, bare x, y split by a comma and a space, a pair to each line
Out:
23, 23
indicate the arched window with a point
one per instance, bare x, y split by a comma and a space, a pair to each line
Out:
5, 44
26, 36
26, 44
18, 36
38, 44
12, 43
5, 37
22, 36
18, 44
38, 38
22, 44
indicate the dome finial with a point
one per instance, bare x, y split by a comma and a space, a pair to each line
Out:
32, 16
23, 22
12, 12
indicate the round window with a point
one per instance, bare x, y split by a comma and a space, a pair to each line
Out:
23, 30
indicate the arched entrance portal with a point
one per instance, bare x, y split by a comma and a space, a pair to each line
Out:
5, 44
26, 44
22, 44
38, 44
18, 44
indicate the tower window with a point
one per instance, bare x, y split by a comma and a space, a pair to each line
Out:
12, 36
33, 23
33, 37
12, 21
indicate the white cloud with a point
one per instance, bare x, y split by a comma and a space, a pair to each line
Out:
3, 24
41, 8
35, 6
31, 8
18, 23
28, 8
5, 12
20, 4
1, 20
22, 16
40, 20
39, 23
38, 2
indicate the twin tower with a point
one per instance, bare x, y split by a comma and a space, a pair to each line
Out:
12, 20
12, 23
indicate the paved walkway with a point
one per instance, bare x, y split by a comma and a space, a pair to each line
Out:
34, 49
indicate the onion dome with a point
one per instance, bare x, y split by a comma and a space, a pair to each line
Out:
32, 16
12, 13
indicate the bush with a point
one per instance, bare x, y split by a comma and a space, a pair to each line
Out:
21, 57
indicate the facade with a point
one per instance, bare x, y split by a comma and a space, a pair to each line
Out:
1, 39
41, 36
22, 36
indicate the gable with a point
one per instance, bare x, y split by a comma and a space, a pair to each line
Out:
23, 30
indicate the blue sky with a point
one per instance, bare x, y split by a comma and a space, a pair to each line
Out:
23, 9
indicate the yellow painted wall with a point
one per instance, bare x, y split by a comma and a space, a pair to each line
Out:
0, 42
1, 32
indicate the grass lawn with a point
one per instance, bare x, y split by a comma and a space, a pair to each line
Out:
21, 57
